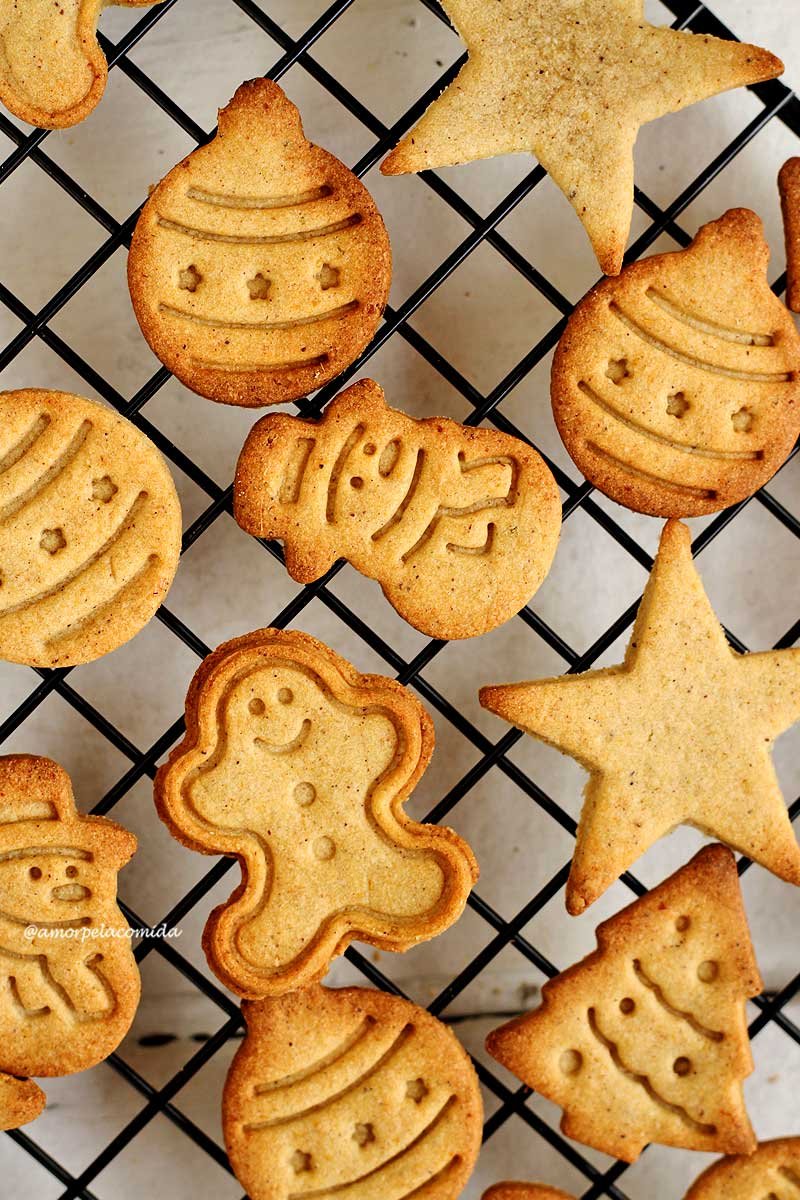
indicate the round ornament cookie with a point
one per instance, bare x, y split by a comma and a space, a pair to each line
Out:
90, 529
676, 386
260, 266
352, 1093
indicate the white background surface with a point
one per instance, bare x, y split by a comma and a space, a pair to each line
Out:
484, 319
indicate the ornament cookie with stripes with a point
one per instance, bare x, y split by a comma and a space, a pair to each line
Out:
260, 266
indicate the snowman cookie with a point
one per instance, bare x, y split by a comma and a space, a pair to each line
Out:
260, 267
68, 978
676, 386
299, 766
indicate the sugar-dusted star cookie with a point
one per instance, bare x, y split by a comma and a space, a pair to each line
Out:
571, 83
300, 767
52, 70
772, 1173
353, 1093
680, 733
645, 1040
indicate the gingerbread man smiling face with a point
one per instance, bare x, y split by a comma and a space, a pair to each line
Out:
299, 766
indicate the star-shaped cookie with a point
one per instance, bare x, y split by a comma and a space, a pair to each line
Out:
571, 81
680, 733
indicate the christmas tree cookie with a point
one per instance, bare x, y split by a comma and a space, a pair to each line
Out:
299, 766
676, 387
646, 1039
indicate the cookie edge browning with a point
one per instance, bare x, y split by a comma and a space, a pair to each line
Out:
640, 495
724, 1171
46, 779
713, 862
86, 37
25, 1103
201, 702
789, 190
515, 1190
103, 642
367, 394
372, 1002
263, 388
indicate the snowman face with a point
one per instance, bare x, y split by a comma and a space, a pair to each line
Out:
52, 887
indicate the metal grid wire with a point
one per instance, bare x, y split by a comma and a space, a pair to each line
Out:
777, 102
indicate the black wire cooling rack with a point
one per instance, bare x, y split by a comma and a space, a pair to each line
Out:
776, 103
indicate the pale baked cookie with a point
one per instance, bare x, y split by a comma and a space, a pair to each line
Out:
676, 387
524, 1191
645, 1040
90, 529
680, 733
260, 267
789, 187
52, 71
353, 1092
772, 1173
68, 978
300, 767
571, 83
458, 525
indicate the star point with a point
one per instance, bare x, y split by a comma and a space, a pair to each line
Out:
681, 733
571, 81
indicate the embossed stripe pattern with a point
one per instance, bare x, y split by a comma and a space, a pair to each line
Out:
690, 360
50, 474
226, 200
267, 239
93, 558
331, 314
636, 427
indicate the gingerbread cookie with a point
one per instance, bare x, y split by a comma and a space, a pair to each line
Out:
52, 71
90, 529
789, 187
260, 266
676, 388
67, 972
458, 525
772, 1173
354, 1092
645, 1040
572, 84
300, 767
680, 733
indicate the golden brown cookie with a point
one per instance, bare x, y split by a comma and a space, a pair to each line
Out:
572, 84
52, 71
524, 1191
676, 387
353, 1092
645, 1040
789, 187
67, 973
680, 733
458, 525
90, 529
300, 767
772, 1173
260, 267
21, 1101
